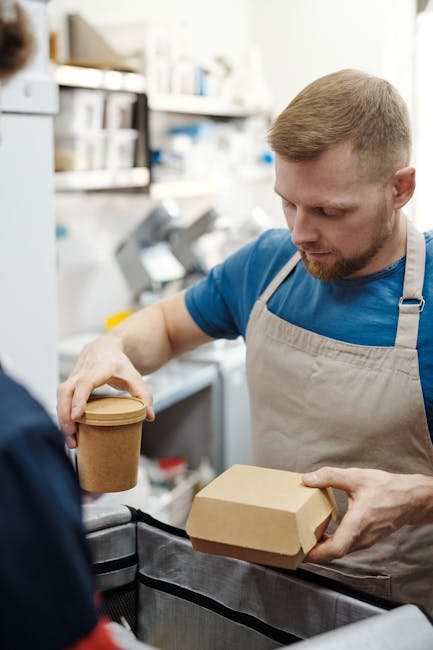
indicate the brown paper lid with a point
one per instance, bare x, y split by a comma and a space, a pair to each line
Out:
112, 411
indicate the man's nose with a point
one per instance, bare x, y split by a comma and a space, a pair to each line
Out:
303, 229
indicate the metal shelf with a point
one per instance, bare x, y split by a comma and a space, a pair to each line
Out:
101, 179
198, 105
172, 383
78, 77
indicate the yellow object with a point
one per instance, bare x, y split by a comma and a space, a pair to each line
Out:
115, 319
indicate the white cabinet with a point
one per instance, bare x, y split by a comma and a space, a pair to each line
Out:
27, 233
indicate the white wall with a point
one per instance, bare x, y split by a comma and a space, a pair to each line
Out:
216, 27
301, 40
424, 120
305, 39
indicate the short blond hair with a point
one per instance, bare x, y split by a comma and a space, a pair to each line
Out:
346, 106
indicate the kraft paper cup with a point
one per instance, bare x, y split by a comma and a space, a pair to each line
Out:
108, 443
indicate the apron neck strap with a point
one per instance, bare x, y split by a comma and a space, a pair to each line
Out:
280, 277
411, 302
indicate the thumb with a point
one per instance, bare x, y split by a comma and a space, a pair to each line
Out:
329, 477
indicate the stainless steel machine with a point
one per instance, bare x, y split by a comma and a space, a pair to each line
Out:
161, 249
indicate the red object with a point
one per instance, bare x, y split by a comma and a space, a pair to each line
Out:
170, 463
98, 639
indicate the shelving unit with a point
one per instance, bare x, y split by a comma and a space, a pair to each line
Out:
78, 77
198, 105
177, 109
81, 78
140, 176
183, 189
101, 179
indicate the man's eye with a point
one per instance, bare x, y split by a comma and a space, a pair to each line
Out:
328, 212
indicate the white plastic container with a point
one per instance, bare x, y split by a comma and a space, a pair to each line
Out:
120, 149
80, 110
80, 152
119, 110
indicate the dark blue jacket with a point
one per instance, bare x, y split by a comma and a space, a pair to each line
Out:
46, 582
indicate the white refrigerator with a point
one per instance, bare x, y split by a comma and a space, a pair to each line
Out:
27, 227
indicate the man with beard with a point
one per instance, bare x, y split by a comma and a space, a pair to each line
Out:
337, 319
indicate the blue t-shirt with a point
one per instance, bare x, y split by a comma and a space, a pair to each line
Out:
363, 311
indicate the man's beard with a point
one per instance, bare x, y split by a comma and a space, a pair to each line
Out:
345, 267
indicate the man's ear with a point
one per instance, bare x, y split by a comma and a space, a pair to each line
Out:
403, 186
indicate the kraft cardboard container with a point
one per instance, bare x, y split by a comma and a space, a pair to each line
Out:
108, 443
261, 515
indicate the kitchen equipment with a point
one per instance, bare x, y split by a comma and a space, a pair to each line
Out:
161, 249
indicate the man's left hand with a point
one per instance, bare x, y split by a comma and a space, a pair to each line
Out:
379, 503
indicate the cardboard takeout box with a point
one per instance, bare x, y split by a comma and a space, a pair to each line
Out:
261, 515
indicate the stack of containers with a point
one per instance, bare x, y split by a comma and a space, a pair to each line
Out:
93, 130
79, 138
121, 137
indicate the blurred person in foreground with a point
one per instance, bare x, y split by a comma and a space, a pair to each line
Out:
47, 588
337, 314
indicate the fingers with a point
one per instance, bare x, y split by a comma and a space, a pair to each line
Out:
345, 539
348, 532
74, 393
64, 399
71, 403
342, 479
81, 394
150, 414
72, 398
71, 441
138, 389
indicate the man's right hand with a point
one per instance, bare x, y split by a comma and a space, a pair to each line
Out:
100, 362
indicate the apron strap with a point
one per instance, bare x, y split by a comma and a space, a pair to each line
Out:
411, 302
280, 277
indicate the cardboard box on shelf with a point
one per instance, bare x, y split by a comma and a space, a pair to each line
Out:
87, 47
261, 515
80, 151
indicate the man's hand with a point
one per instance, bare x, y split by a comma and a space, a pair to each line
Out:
379, 503
101, 362
146, 340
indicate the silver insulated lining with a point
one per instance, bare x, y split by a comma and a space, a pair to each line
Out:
179, 599
275, 601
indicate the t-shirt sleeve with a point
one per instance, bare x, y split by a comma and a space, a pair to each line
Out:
221, 303
213, 303
46, 581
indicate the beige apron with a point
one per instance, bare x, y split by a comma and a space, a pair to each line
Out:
317, 401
